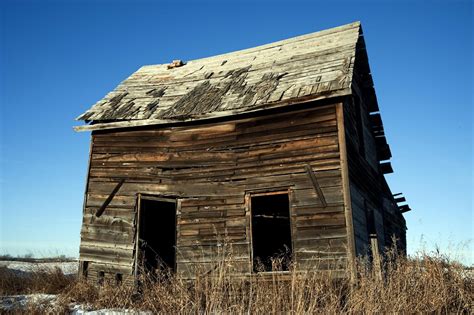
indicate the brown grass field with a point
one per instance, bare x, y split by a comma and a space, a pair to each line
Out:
427, 283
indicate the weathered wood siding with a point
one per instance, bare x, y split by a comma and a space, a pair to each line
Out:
210, 168
368, 188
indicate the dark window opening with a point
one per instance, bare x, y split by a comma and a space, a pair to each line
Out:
371, 230
374, 253
360, 124
271, 232
100, 277
157, 235
118, 278
85, 269
371, 224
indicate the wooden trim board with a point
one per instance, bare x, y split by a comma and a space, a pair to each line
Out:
346, 189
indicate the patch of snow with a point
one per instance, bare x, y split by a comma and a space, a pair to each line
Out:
21, 266
79, 310
16, 302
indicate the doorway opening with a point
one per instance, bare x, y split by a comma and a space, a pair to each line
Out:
271, 231
156, 247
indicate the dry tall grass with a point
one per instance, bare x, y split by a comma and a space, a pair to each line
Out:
426, 283
407, 285
49, 281
39, 282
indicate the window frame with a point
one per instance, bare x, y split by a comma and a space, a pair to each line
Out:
248, 208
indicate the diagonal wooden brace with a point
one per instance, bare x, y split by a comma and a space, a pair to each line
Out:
316, 186
109, 198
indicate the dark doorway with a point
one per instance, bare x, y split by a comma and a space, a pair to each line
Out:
157, 234
271, 231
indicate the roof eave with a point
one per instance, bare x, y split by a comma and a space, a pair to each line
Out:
213, 115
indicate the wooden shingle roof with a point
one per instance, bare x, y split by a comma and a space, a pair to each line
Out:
300, 69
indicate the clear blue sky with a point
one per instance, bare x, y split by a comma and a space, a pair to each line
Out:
58, 58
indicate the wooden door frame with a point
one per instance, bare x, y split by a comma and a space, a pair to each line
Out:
155, 197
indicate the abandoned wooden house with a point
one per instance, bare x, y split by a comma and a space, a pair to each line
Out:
277, 150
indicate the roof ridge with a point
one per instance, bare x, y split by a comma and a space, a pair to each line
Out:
320, 33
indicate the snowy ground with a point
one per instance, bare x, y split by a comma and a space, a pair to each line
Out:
14, 302
25, 267
22, 268
108, 312
20, 302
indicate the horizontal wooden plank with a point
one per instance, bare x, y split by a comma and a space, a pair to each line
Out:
107, 245
321, 232
110, 269
193, 269
107, 220
107, 256
338, 264
128, 214
118, 202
